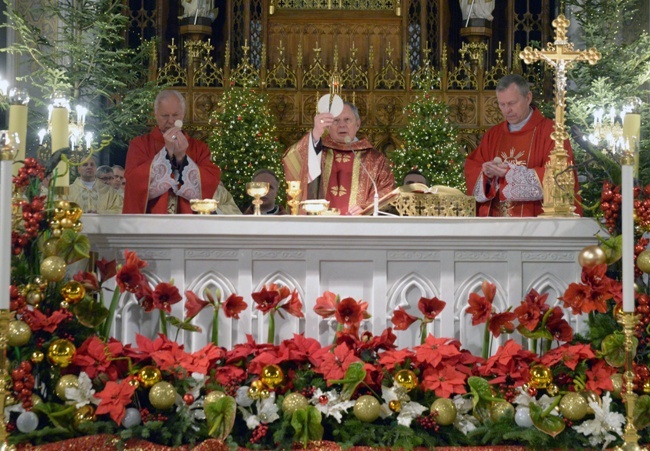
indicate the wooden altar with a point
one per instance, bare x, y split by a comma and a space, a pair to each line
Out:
386, 261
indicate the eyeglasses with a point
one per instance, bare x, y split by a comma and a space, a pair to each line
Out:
105, 178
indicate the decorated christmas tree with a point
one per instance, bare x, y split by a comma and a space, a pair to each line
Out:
430, 145
244, 140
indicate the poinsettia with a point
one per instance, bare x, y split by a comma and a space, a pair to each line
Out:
273, 298
97, 358
333, 363
115, 397
37, 320
430, 308
232, 307
510, 363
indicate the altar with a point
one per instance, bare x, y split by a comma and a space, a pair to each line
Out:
385, 261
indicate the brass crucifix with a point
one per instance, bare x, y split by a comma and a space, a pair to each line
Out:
558, 180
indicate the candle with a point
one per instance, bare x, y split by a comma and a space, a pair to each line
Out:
18, 99
6, 160
60, 136
627, 231
632, 133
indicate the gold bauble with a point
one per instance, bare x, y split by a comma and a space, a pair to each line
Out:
256, 389
37, 357
66, 381
162, 395
58, 215
74, 212
73, 292
61, 205
643, 261
540, 376
591, 256
591, 396
78, 226
61, 352
552, 389
34, 297
53, 268
406, 379
36, 400
366, 408
40, 283
19, 333
66, 223
293, 402
573, 406
617, 382
502, 410
149, 376
272, 376
395, 405
444, 411
265, 393
49, 248
64, 305
56, 233
84, 414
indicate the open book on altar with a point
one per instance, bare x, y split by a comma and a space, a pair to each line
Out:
436, 189
418, 199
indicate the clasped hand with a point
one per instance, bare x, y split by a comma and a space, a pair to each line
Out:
176, 143
495, 169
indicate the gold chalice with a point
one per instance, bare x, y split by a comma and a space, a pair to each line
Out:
257, 190
293, 191
204, 206
315, 206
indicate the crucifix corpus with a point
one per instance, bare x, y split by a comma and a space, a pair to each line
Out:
558, 180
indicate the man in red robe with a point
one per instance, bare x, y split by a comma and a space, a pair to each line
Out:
167, 168
338, 167
506, 170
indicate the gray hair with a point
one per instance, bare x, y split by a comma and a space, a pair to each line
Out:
166, 94
522, 84
102, 170
117, 166
354, 109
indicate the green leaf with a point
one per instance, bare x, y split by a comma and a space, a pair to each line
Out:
307, 424
73, 246
353, 377
613, 248
481, 390
535, 334
89, 313
548, 424
642, 412
59, 415
612, 349
220, 416
185, 325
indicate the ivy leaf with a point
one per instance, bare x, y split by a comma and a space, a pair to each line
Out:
185, 325
73, 246
307, 424
90, 313
612, 349
354, 375
642, 412
548, 424
220, 416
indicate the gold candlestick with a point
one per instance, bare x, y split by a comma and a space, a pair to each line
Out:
293, 191
629, 320
5, 317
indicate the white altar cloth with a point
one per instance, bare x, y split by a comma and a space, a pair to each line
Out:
386, 261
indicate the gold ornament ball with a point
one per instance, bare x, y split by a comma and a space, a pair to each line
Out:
272, 376
62, 205
74, 212
37, 357
78, 226
56, 233
502, 410
552, 389
256, 389
162, 395
73, 292
540, 376
444, 411
36, 400
61, 352
395, 405
34, 297
617, 382
643, 261
591, 396
49, 248
66, 381
149, 376
591, 256
406, 379
366, 408
66, 223
293, 402
53, 268
573, 406
19, 333
84, 414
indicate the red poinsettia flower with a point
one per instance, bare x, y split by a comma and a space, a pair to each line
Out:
569, 355
114, 399
172, 358
599, 377
558, 326
502, 322
37, 320
435, 350
129, 278
444, 381
194, 304
510, 362
293, 306
88, 280
393, 358
96, 358
165, 295
349, 312
107, 269
133, 259
401, 319
480, 307
233, 306
333, 364
431, 308
203, 359
326, 304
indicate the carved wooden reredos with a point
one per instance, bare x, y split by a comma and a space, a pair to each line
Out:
385, 52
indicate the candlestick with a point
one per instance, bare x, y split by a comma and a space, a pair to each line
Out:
6, 159
627, 230
60, 136
18, 100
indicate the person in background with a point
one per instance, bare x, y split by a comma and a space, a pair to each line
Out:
93, 196
118, 178
225, 203
105, 175
414, 176
166, 168
268, 207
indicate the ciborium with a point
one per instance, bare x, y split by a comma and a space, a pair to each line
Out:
204, 206
257, 190
293, 191
315, 206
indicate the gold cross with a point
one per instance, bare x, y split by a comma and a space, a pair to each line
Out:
558, 180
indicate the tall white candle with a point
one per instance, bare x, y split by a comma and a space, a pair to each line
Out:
60, 137
6, 159
627, 230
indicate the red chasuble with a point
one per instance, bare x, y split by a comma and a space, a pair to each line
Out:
529, 147
343, 181
137, 173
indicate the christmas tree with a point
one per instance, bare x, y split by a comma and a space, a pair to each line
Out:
244, 140
430, 145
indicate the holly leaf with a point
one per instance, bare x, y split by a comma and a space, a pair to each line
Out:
185, 325
90, 313
220, 416
612, 349
354, 375
307, 424
548, 424
73, 246
642, 412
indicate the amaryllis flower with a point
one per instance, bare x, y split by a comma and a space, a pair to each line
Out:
480, 307
165, 295
233, 306
267, 299
559, 328
575, 296
293, 306
144, 294
129, 278
349, 311
88, 280
194, 304
326, 304
502, 322
431, 308
529, 315
107, 269
133, 259
114, 399
401, 319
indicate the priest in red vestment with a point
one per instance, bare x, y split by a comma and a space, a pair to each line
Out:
506, 170
167, 168
338, 166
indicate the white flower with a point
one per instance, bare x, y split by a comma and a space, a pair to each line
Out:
267, 412
524, 399
334, 407
409, 409
196, 383
83, 393
242, 397
598, 430
464, 422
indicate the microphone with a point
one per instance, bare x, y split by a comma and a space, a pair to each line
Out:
375, 211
